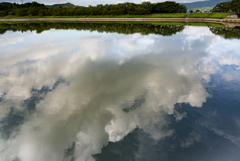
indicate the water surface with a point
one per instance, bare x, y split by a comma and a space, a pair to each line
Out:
119, 92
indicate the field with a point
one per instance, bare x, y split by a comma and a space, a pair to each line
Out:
163, 15
20, 17
123, 22
209, 15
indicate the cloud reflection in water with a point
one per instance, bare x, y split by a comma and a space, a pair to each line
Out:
91, 88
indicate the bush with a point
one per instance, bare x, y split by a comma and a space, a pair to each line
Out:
11, 13
33, 11
3, 13
42, 12
21, 12
18, 13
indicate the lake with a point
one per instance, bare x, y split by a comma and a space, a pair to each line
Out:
119, 92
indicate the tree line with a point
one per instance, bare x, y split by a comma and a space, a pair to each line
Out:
34, 9
121, 28
229, 6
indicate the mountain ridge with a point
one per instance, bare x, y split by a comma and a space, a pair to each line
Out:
201, 4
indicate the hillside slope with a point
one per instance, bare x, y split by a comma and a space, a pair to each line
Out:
201, 4
64, 5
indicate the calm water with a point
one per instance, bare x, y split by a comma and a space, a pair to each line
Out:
119, 92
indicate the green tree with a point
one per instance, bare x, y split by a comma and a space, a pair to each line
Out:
33, 11
21, 12
235, 6
230, 6
11, 13
3, 13
42, 12
147, 6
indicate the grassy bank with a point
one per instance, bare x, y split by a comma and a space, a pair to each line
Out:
163, 15
97, 22
122, 22
173, 15
209, 15
206, 24
22, 17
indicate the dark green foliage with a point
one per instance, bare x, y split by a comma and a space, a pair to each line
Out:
5, 6
42, 12
3, 13
169, 7
20, 9
34, 8
21, 12
33, 11
229, 6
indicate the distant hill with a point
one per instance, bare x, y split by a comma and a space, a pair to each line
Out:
5, 4
64, 5
202, 9
201, 4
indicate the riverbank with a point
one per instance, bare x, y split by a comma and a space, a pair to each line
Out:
186, 20
159, 15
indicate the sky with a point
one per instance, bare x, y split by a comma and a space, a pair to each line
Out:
95, 2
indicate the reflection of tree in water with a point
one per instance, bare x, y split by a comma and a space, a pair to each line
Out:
144, 29
226, 33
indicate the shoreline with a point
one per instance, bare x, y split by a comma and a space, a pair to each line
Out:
129, 19
226, 21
